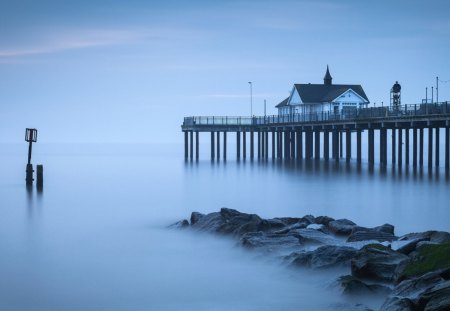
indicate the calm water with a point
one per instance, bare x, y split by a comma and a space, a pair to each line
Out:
95, 239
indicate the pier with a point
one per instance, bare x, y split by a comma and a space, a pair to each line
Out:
300, 136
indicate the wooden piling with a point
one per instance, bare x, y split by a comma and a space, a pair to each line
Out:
371, 148
244, 145
383, 146
197, 145
218, 145
348, 143
394, 152
358, 147
421, 147
252, 145
407, 146
400, 145
39, 177
299, 144
317, 144
238, 145
259, 144
186, 145
212, 146
273, 145
292, 140
414, 147
430, 147
436, 161
224, 145
326, 145
447, 148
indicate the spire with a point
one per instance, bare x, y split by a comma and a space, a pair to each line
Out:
327, 79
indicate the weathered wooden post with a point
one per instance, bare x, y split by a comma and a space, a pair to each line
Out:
326, 145
348, 143
244, 144
358, 146
299, 144
30, 137
317, 145
39, 177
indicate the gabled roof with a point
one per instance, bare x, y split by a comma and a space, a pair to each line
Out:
319, 93
283, 103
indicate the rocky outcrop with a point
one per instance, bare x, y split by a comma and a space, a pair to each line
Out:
418, 272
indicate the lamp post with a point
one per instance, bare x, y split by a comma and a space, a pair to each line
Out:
251, 98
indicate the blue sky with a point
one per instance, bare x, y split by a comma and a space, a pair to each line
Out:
128, 71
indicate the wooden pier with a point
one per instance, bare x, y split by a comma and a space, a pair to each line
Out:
298, 136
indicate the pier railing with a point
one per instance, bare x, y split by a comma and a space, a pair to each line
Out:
347, 114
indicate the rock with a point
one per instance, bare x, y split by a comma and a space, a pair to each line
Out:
426, 292
386, 228
180, 224
352, 286
323, 220
378, 263
323, 257
409, 247
195, 217
229, 221
371, 234
432, 236
276, 224
297, 225
341, 226
270, 241
349, 307
289, 220
314, 236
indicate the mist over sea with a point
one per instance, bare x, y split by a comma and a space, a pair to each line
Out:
96, 238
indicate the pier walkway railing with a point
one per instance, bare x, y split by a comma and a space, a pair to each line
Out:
353, 114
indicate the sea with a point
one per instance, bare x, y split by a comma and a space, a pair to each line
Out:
97, 236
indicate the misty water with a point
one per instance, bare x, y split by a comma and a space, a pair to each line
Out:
96, 238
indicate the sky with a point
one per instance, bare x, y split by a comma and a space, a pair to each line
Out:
129, 71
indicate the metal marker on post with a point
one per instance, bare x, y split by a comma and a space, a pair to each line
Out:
30, 137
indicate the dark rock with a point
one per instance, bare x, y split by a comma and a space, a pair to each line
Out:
426, 292
276, 224
378, 263
349, 307
229, 221
352, 286
297, 225
309, 218
371, 234
314, 236
180, 224
270, 241
289, 220
323, 220
341, 226
196, 216
323, 257
432, 236
409, 247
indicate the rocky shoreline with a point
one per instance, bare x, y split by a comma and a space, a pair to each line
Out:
411, 271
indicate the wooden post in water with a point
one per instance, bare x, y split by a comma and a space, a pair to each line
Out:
400, 145
371, 146
259, 144
437, 148
39, 177
348, 145
191, 144
218, 145
273, 145
186, 145
244, 144
197, 145
421, 146
212, 146
335, 144
263, 145
326, 145
383, 146
414, 147
279, 143
407, 146
224, 145
447, 149
299, 144
252, 145
292, 139
430, 147
287, 144
341, 144
394, 153
317, 144
358, 147
238, 145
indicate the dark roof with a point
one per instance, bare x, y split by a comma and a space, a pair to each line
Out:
319, 93
283, 103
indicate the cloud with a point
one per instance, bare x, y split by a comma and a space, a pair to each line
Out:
70, 40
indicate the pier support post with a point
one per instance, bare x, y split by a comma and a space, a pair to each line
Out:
348, 144
212, 146
335, 144
400, 145
414, 147
191, 145
238, 145
186, 144
371, 148
287, 144
244, 145
430, 147
259, 144
197, 145
358, 147
225, 145
317, 145
218, 145
39, 177
447, 149
309, 144
383, 146
299, 144
437, 148
279, 143
266, 136
394, 144
252, 145
421, 146
326, 145
407, 146
341, 144
292, 139
263, 145
273, 145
